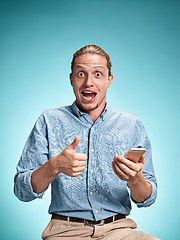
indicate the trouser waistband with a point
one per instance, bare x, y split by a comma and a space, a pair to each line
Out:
89, 222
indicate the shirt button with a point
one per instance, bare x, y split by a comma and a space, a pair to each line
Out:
92, 128
92, 150
96, 211
91, 193
91, 171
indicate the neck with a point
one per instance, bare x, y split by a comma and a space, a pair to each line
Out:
94, 114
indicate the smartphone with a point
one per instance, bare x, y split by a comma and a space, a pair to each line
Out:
135, 154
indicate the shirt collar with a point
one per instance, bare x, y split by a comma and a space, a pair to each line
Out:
78, 113
104, 113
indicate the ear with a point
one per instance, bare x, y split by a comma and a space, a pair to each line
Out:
110, 80
70, 77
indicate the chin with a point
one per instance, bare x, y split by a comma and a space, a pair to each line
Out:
87, 107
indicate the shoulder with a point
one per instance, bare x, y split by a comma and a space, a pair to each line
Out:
56, 111
54, 114
128, 121
122, 115
124, 119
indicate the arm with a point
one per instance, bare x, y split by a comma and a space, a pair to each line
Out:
34, 155
35, 172
140, 177
131, 172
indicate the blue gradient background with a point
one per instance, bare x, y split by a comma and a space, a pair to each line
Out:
37, 41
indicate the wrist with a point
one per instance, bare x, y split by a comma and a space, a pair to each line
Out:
140, 188
136, 180
52, 166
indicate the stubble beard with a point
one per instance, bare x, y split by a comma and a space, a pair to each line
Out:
88, 109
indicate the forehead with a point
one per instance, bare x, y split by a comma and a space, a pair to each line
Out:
90, 61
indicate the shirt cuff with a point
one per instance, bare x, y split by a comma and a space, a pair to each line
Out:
148, 202
29, 186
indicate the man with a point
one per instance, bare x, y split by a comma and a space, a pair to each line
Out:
79, 149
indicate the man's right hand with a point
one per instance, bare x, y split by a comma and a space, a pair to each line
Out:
70, 162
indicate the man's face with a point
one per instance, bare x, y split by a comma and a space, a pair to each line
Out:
90, 80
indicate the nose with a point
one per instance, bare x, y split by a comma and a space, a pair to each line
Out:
89, 81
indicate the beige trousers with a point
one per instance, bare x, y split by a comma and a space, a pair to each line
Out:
120, 229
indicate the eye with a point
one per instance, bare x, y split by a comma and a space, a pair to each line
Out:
98, 74
81, 74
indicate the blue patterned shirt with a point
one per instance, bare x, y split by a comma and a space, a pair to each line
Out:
97, 193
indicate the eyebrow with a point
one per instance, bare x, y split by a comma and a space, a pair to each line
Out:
81, 66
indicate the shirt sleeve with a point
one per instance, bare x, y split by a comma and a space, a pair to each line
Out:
35, 154
142, 141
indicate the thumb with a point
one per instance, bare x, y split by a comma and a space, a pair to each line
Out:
142, 159
74, 144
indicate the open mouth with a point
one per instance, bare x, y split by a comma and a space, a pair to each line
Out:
88, 96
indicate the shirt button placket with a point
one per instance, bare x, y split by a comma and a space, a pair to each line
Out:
91, 156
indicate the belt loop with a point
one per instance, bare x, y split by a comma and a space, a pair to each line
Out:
68, 218
113, 218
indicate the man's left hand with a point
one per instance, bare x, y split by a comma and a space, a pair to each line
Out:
126, 169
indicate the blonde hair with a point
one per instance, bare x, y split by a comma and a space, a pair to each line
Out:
92, 49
